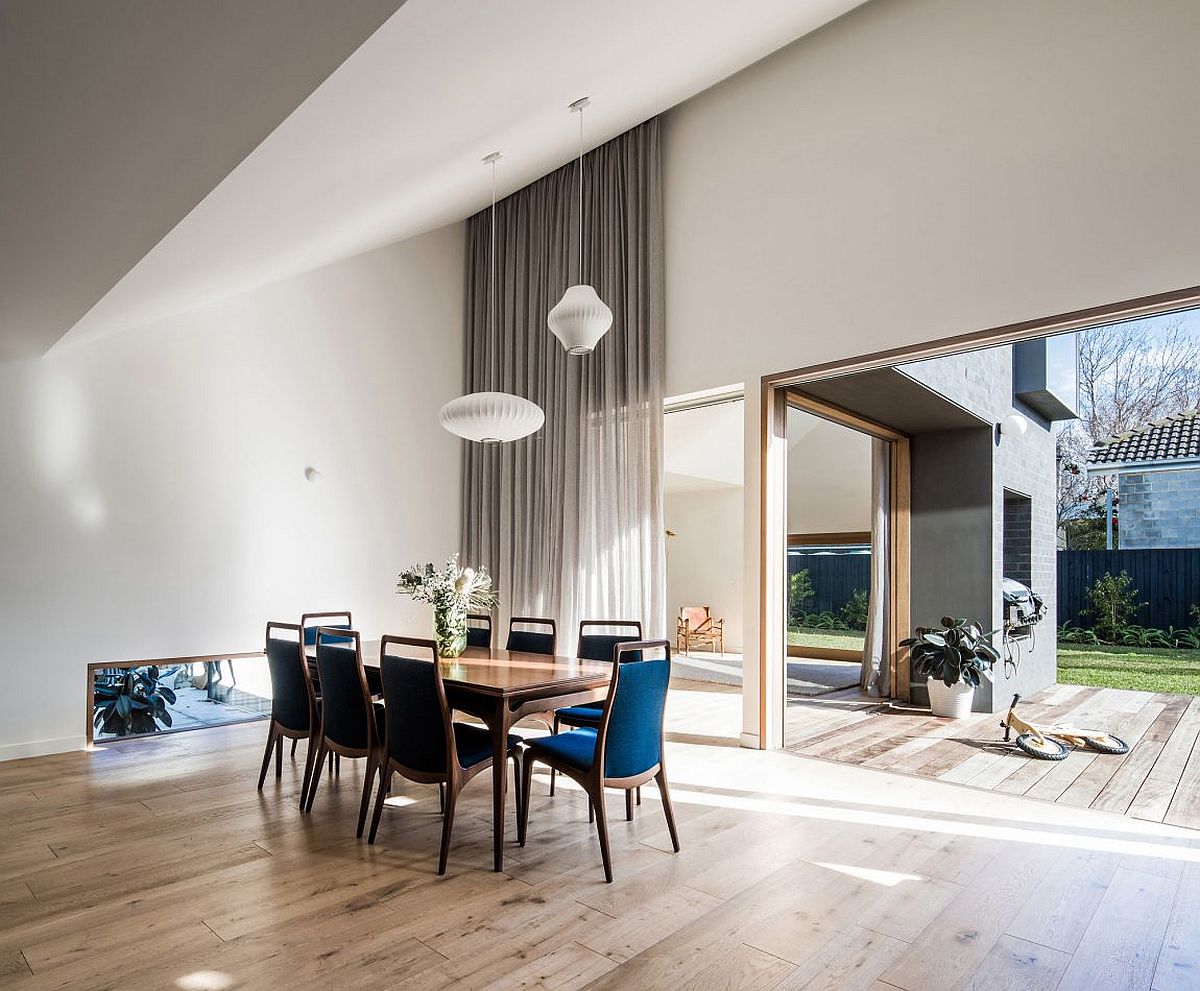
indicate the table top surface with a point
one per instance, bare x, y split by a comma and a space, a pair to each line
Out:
499, 671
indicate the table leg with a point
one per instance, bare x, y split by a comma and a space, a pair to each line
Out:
499, 728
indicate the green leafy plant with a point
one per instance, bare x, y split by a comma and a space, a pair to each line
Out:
800, 591
1068, 633
854, 612
822, 621
1114, 602
959, 651
1188, 639
135, 702
1133, 635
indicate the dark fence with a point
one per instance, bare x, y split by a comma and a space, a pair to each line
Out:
1168, 581
835, 577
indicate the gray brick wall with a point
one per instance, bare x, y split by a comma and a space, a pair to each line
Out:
1159, 509
981, 382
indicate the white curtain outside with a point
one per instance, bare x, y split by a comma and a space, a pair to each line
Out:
876, 667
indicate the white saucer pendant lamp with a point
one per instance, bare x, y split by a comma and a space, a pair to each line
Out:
580, 318
492, 417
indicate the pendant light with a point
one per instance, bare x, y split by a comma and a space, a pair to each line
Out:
580, 318
492, 417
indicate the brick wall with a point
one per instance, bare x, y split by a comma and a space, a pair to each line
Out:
1159, 509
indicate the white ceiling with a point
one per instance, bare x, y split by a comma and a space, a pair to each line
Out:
702, 448
390, 144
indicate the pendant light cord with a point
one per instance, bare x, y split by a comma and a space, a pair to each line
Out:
492, 263
581, 195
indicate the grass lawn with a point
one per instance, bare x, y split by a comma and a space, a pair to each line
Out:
806, 636
1147, 669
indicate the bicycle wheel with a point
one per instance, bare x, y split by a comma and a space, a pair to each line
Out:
1106, 743
1047, 749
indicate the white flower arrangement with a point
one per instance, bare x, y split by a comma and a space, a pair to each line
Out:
449, 588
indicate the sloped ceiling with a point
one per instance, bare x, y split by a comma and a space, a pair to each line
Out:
118, 116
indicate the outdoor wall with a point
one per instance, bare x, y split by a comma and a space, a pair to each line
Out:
153, 490
981, 381
1159, 509
704, 558
923, 168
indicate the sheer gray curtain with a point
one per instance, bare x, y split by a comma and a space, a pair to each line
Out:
876, 668
569, 521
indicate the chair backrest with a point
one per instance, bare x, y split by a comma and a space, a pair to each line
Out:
543, 641
418, 730
603, 646
479, 629
291, 685
311, 620
630, 738
695, 616
346, 716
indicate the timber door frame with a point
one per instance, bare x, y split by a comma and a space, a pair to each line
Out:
898, 508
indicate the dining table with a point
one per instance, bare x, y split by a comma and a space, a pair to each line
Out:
501, 687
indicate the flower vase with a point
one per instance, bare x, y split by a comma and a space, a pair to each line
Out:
450, 630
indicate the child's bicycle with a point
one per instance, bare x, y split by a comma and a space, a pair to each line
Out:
1056, 742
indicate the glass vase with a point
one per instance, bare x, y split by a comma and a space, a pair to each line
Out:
450, 630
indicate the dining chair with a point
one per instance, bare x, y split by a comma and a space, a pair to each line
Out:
421, 741
479, 635
624, 751
294, 709
595, 646
310, 627
351, 723
543, 641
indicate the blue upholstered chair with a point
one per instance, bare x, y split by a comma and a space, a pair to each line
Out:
541, 641
294, 713
625, 751
595, 646
421, 741
351, 723
479, 630
310, 621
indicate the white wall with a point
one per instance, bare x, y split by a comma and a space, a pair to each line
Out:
705, 557
152, 484
923, 168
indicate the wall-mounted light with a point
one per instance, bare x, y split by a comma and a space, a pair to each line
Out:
1013, 425
312, 474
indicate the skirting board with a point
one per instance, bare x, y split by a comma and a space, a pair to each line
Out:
749, 741
40, 748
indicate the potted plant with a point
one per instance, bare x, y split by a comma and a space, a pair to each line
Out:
130, 703
453, 592
953, 660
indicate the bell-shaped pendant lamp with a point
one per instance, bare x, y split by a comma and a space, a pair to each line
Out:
492, 417
580, 318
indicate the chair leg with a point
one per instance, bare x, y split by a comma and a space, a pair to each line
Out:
629, 805
368, 780
591, 810
262, 775
322, 753
661, 779
308, 769
447, 827
279, 757
337, 764
518, 790
385, 783
602, 830
526, 795
639, 794
554, 730
295, 740
441, 798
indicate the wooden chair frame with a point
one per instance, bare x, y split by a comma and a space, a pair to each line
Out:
537, 621
455, 778
711, 632
482, 617
277, 732
593, 780
373, 750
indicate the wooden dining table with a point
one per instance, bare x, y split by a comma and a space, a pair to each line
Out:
501, 687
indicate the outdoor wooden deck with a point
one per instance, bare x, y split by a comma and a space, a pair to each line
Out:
1158, 780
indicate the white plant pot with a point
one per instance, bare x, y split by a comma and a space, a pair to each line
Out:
953, 702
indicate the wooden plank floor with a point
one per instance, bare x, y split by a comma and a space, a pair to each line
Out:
1158, 780
157, 865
